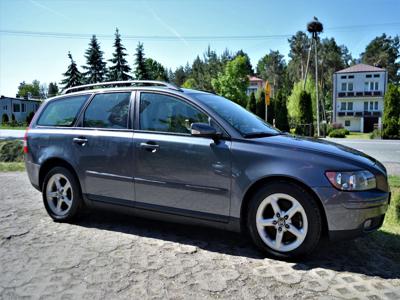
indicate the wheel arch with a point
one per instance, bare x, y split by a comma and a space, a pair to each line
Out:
271, 179
50, 163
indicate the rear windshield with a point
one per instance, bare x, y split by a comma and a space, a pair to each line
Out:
62, 112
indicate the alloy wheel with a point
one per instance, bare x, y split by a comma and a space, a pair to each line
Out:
281, 222
59, 194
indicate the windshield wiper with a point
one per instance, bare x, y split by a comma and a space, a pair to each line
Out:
259, 134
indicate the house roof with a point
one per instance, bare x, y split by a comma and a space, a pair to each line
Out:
361, 68
254, 78
20, 99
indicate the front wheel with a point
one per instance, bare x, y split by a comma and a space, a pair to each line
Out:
61, 194
284, 220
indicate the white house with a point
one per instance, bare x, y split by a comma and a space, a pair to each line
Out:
358, 97
17, 109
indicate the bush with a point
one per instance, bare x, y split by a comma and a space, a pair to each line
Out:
391, 129
376, 134
337, 125
346, 131
338, 133
11, 151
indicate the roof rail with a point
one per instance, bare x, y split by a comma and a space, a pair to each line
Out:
127, 83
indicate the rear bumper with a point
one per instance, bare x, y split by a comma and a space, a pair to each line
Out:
351, 214
33, 173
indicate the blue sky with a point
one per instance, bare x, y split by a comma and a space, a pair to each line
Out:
44, 58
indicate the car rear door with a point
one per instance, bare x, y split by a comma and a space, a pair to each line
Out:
104, 150
175, 172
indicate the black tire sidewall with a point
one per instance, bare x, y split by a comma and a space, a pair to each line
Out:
77, 198
310, 207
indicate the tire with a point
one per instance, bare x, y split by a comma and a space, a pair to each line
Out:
62, 195
299, 232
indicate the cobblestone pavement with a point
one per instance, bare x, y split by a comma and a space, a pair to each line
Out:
119, 257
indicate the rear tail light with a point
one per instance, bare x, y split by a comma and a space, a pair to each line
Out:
26, 150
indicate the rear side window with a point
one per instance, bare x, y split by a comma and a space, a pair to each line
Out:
108, 111
62, 112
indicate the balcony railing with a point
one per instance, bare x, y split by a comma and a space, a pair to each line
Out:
359, 94
342, 113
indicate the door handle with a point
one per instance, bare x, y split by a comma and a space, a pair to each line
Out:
80, 141
151, 147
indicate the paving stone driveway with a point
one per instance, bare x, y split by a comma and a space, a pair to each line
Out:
113, 256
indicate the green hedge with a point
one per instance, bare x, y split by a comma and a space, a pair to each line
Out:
338, 133
11, 151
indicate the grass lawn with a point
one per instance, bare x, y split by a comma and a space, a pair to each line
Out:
12, 166
13, 128
358, 136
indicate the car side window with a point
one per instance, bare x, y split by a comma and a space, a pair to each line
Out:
165, 113
108, 111
62, 112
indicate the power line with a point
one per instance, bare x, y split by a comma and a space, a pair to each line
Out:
164, 38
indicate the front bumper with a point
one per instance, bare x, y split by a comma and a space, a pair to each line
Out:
351, 214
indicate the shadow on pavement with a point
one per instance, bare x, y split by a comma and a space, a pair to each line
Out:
365, 255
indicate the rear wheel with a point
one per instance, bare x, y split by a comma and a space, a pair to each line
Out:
61, 194
284, 220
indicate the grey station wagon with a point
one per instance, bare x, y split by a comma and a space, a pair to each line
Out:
183, 155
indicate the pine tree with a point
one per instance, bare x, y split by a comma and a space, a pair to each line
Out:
72, 77
391, 114
306, 117
52, 89
120, 69
140, 64
281, 113
260, 107
96, 67
252, 103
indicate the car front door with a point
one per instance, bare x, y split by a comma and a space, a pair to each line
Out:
104, 149
175, 172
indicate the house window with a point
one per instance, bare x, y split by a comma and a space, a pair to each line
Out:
23, 107
376, 105
350, 86
368, 76
377, 75
347, 123
344, 86
366, 85
351, 76
16, 107
343, 77
349, 105
371, 105
365, 106
5, 107
376, 86
371, 86
343, 106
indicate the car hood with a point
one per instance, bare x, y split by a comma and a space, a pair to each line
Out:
324, 147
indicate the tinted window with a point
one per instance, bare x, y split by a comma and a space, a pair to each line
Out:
241, 119
108, 111
168, 114
62, 112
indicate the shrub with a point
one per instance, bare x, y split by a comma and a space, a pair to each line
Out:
376, 134
11, 151
337, 125
338, 133
391, 129
346, 131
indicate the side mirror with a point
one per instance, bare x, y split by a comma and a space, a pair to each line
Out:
204, 130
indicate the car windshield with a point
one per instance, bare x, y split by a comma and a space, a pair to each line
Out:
248, 124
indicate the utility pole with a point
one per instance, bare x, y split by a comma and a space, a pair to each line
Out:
315, 27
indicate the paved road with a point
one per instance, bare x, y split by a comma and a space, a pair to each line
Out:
118, 257
386, 151
11, 134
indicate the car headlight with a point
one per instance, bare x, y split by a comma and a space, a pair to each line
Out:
352, 181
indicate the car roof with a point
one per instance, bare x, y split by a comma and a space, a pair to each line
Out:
129, 89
